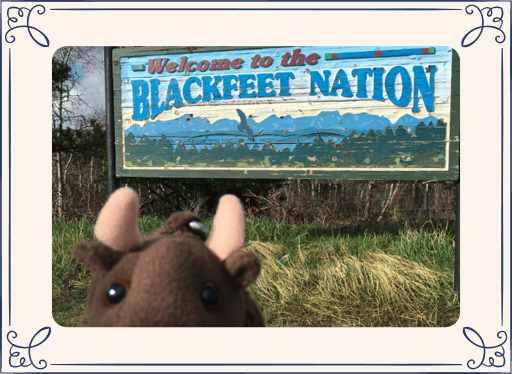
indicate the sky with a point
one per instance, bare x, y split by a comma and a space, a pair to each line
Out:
93, 83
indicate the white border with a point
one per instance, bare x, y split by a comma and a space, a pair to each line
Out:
26, 229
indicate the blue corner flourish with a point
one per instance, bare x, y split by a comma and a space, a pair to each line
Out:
14, 19
484, 348
480, 29
15, 353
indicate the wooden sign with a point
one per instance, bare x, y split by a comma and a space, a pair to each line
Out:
287, 112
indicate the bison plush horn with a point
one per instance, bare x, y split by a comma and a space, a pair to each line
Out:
118, 223
227, 234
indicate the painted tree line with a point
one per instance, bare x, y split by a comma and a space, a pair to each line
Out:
425, 147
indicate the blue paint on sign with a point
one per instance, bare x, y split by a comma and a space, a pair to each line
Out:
288, 107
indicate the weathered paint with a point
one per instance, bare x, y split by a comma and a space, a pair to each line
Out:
288, 112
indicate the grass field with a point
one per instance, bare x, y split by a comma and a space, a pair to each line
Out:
367, 275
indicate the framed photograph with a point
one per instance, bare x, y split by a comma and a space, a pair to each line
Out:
205, 76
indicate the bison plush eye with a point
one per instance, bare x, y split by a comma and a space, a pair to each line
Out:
210, 296
116, 291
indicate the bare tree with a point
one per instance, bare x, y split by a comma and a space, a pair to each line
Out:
68, 104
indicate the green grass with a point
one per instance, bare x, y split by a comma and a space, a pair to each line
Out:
69, 278
368, 275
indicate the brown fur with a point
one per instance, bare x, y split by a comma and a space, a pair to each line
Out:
164, 279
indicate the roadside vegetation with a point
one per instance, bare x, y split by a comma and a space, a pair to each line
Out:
389, 274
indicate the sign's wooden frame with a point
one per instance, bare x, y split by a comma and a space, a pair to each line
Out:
449, 173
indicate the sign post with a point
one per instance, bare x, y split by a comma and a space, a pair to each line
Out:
110, 127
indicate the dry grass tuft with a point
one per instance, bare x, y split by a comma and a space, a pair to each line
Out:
320, 288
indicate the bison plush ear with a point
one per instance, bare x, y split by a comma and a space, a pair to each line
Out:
118, 223
227, 235
97, 257
244, 267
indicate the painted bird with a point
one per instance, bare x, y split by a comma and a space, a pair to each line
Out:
243, 126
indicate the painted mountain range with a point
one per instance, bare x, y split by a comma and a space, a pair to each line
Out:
326, 122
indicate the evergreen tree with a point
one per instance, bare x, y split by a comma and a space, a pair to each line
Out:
401, 133
130, 138
440, 130
267, 148
217, 152
204, 151
421, 131
242, 151
61, 72
181, 147
319, 141
192, 153
163, 142
229, 148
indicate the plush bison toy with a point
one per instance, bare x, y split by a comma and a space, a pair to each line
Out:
177, 276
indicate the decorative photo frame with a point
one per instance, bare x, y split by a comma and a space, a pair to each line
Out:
479, 340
